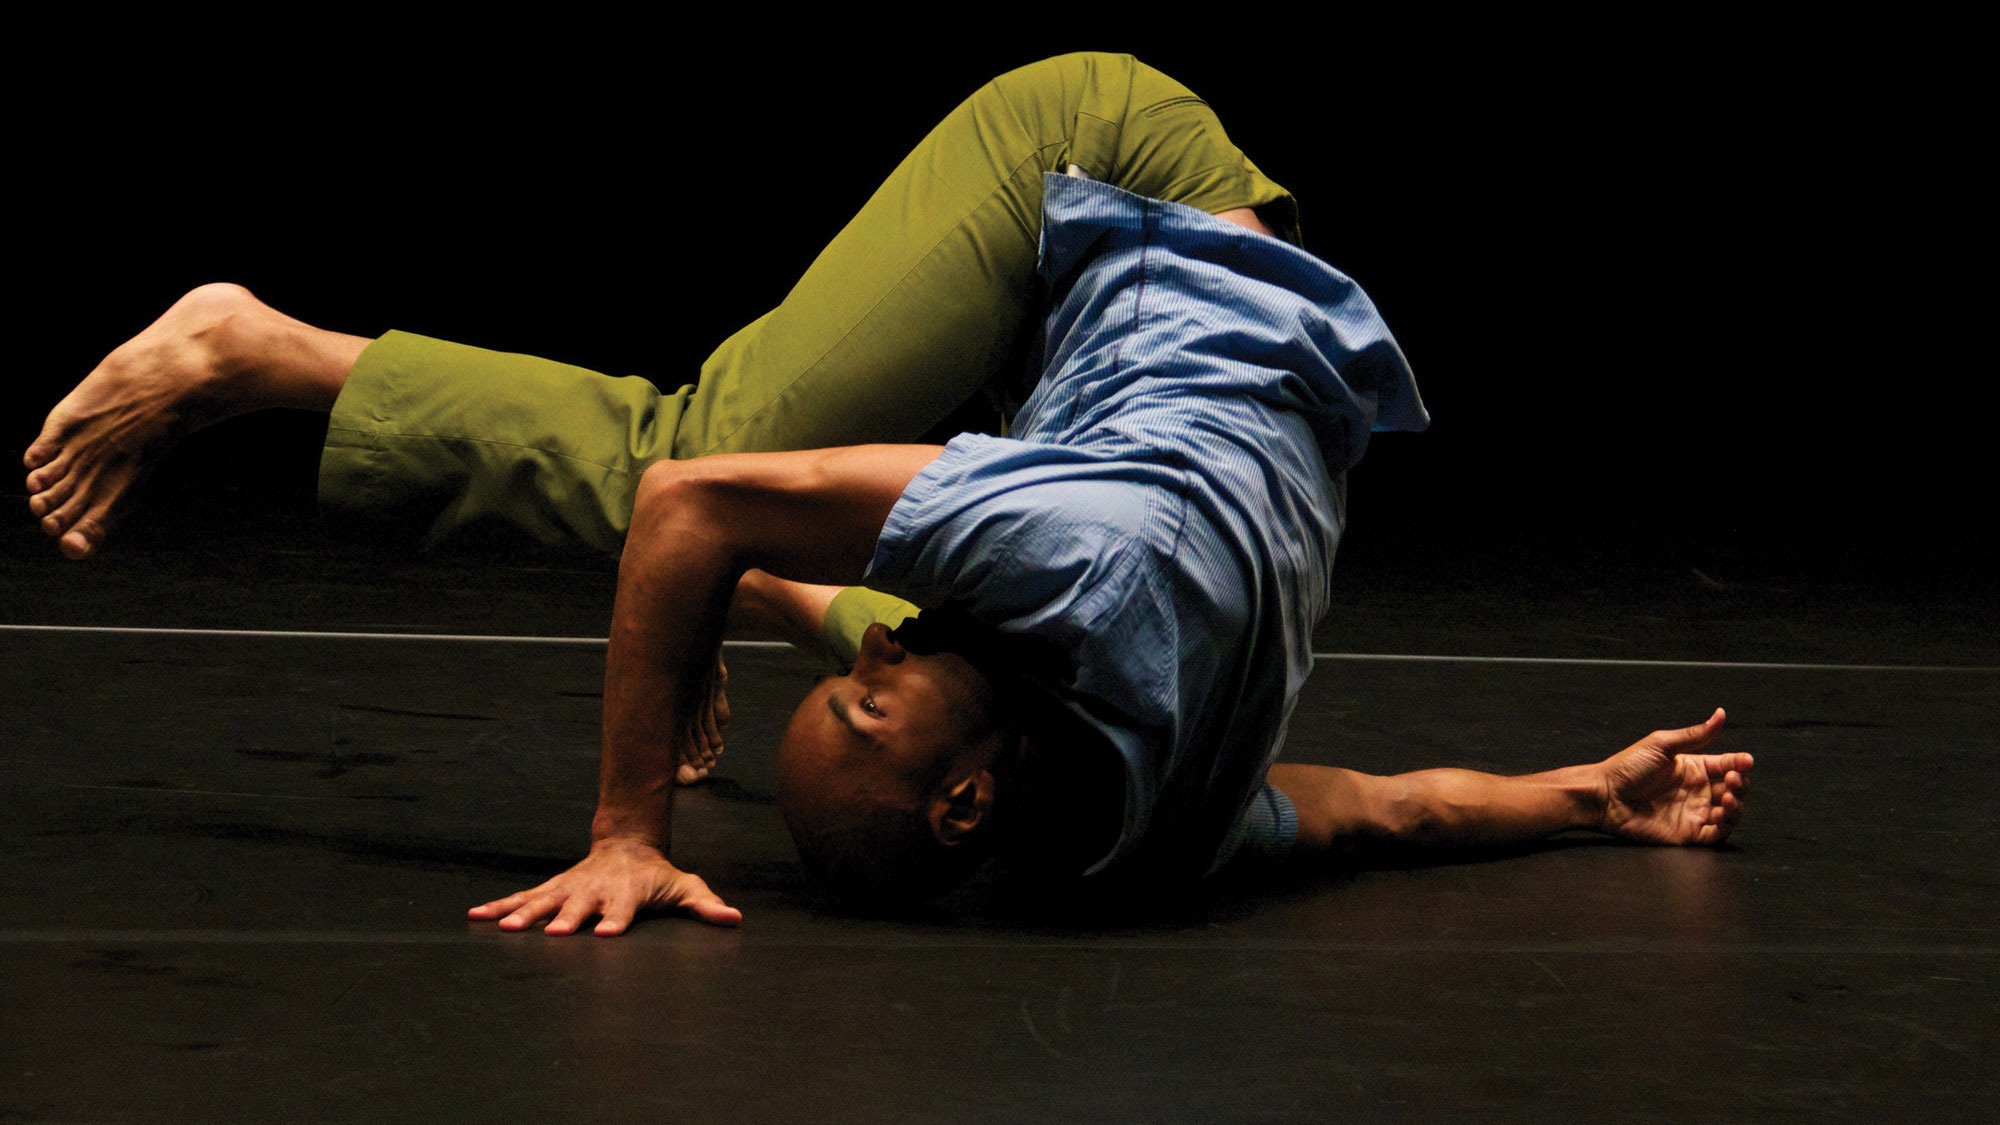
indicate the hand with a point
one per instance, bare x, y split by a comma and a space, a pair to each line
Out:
616, 880
1661, 790
702, 744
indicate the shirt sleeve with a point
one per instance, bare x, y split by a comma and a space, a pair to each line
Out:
1263, 835
1029, 538
850, 614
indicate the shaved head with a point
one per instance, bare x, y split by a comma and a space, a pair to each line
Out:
884, 776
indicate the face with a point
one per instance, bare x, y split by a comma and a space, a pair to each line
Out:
876, 733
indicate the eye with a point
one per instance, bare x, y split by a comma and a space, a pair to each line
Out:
868, 705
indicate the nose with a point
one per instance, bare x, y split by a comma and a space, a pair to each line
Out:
878, 647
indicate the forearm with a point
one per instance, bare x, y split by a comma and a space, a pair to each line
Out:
768, 608
812, 516
1345, 812
1451, 808
675, 579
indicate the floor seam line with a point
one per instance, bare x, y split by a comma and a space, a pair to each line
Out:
1381, 657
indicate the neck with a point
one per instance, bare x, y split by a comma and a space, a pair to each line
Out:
1061, 796
1067, 807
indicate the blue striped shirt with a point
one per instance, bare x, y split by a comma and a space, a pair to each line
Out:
1166, 511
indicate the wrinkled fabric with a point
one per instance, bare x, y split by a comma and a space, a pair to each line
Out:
1164, 517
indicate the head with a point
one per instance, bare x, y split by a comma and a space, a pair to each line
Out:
888, 776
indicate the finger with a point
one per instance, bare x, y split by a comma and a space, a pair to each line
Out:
534, 910
575, 912
694, 897
617, 916
1720, 766
1722, 819
499, 906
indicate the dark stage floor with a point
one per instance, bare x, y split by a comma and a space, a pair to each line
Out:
236, 868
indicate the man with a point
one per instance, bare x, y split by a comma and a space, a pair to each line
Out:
1123, 591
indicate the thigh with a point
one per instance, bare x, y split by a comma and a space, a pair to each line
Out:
925, 296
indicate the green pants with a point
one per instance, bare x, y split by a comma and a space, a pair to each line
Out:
913, 309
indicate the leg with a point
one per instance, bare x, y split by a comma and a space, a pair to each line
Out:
913, 309
916, 306
924, 298
216, 353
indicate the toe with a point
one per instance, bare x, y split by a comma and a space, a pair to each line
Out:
51, 497
83, 540
50, 471
57, 522
50, 442
42, 452
60, 517
84, 526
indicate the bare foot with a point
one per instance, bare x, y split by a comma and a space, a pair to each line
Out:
217, 352
704, 741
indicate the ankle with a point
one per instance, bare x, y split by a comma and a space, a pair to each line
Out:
283, 362
259, 357
239, 333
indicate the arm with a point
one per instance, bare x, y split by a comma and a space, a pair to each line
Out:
697, 526
771, 609
764, 609
1660, 790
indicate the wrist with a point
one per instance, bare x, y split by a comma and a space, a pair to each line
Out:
1578, 797
1589, 793
611, 826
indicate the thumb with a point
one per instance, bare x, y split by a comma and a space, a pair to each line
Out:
1690, 739
694, 897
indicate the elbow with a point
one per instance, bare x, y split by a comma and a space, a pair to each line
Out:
657, 485
675, 515
667, 492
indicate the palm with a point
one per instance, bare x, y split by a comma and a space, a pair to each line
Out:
1660, 790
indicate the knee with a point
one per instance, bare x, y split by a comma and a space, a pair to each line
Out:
1059, 76
1088, 60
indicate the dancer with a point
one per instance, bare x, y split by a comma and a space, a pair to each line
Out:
1119, 596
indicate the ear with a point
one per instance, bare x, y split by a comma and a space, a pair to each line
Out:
957, 814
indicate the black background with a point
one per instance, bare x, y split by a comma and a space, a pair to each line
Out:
1681, 291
